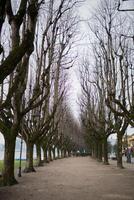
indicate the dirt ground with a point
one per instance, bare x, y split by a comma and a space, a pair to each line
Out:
73, 179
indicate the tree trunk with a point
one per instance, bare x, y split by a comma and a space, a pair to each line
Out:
45, 155
62, 153
29, 158
8, 171
93, 151
105, 152
2, 13
58, 153
96, 151
50, 155
69, 153
100, 152
54, 157
38, 151
119, 150
65, 153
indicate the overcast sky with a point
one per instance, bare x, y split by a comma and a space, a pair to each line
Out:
85, 12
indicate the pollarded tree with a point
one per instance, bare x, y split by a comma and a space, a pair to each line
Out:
11, 107
54, 48
67, 31
96, 117
116, 55
19, 47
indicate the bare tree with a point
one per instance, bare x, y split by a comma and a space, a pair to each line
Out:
96, 117
116, 66
25, 95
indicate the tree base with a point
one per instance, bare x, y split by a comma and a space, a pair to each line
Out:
120, 167
7, 182
29, 170
99, 160
41, 164
106, 163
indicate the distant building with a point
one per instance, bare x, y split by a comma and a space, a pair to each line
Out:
128, 141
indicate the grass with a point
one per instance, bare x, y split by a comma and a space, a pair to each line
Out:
1, 165
16, 163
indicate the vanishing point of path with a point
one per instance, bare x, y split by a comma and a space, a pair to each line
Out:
73, 179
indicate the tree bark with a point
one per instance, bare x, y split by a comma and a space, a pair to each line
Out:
119, 151
29, 158
58, 153
62, 153
65, 153
38, 151
50, 154
8, 172
93, 151
96, 150
105, 151
54, 157
13, 59
45, 155
100, 152
2, 13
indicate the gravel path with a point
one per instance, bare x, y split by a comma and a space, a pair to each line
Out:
73, 179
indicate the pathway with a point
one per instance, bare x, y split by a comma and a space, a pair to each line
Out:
73, 179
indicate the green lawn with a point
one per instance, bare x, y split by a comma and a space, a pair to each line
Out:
1, 165
16, 164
